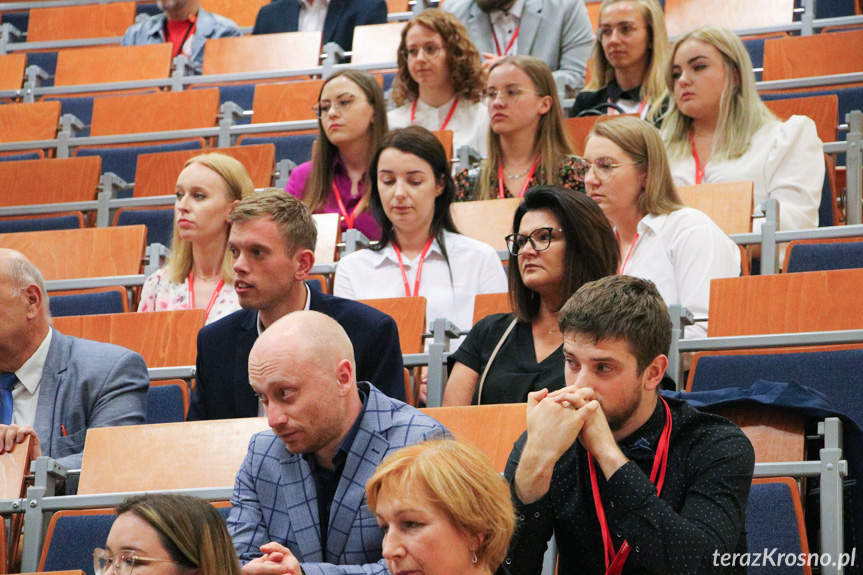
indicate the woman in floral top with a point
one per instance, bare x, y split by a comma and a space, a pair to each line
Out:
198, 274
528, 144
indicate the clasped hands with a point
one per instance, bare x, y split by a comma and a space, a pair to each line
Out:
276, 560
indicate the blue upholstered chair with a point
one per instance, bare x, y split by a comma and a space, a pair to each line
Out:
774, 519
88, 303
804, 256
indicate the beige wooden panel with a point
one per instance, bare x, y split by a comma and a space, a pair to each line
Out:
73, 22
815, 55
28, 182
409, 314
488, 221
728, 204
377, 43
29, 122
99, 65
684, 15
242, 12
329, 235
12, 71
265, 52
158, 112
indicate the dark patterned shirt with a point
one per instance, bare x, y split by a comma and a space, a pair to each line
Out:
701, 509
572, 172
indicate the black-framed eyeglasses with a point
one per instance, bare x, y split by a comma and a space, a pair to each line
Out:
123, 563
603, 167
539, 239
341, 104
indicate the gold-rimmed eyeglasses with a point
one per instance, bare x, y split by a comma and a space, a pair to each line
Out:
122, 562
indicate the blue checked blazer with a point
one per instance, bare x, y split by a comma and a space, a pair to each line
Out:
275, 498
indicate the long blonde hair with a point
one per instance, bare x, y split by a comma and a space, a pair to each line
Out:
239, 185
653, 87
551, 140
741, 111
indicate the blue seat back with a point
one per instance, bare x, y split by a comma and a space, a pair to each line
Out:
124, 161
40, 224
81, 107
295, 148
17, 157
755, 47
86, 303
45, 60
242, 95
771, 522
160, 224
73, 540
165, 404
837, 374
826, 256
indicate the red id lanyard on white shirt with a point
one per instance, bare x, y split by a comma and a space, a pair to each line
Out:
213, 299
501, 190
628, 253
699, 169
349, 218
614, 561
508, 46
416, 291
448, 116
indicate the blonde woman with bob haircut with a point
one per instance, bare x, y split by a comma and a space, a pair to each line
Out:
440, 79
199, 274
167, 534
628, 64
528, 144
679, 249
719, 130
444, 509
352, 121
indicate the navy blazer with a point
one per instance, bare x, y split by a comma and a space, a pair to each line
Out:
223, 390
342, 16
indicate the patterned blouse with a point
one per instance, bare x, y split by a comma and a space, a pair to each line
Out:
160, 294
572, 172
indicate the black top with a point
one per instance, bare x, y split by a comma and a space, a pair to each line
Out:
514, 372
587, 100
701, 509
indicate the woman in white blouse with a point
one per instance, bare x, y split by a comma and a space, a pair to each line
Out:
420, 253
679, 249
198, 274
719, 130
439, 80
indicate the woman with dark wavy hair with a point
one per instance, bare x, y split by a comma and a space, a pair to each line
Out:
561, 240
439, 80
420, 253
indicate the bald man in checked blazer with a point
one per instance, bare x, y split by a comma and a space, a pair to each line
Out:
299, 503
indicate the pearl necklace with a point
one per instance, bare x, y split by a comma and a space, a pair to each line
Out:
517, 176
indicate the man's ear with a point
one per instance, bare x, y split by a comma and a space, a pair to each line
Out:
344, 373
653, 373
306, 259
33, 295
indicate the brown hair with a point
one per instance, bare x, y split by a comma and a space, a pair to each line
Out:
463, 61
291, 216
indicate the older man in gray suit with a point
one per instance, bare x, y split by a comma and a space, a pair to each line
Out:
557, 32
54, 387
299, 503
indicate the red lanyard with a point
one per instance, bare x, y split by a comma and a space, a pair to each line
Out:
628, 253
349, 218
641, 107
614, 561
699, 170
501, 190
448, 116
419, 268
212, 299
508, 46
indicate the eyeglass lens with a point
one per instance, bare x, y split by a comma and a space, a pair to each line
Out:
539, 239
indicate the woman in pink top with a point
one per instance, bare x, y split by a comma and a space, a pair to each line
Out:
353, 121
198, 274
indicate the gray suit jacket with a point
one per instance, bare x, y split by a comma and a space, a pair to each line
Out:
275, 498
87, 384
555, 31
209, 25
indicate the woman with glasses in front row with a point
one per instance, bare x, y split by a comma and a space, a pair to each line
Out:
679, 249
352, 121
528, 144
439, 80
560, 241
167, 534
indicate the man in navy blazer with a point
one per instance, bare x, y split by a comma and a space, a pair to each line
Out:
299, 503
341, 17
58, 386
272, 241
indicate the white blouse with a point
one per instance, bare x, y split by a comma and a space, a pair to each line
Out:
785, 161
160, 294
474, 266
680, 253
469, 122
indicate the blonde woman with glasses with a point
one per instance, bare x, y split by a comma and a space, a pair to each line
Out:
527, 144
439, 80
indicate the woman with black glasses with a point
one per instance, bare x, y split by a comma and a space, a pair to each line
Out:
352, 123
560, 241
167, 534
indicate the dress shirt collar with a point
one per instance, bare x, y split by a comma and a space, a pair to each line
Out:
652, 222
515, 10
30, 374
307, 4
614, 92
388, 254
641, 443
306, 307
